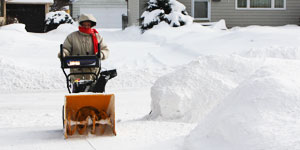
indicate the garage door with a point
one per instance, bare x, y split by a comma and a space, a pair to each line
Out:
106, 17
32, 16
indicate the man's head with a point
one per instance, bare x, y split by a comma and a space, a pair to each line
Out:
87, 20
86, 24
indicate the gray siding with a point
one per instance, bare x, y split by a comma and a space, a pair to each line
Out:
133, 12
142, 6
225, 9
188, 5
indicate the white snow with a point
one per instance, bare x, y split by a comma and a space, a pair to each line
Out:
57, 17
261, 113
208, 87
192, 91
175, 16
152, 16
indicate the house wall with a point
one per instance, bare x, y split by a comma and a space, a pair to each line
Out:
2, 19
47, 8
95, 4
142, 7
107, 12
225, 9
188, 5
133, 12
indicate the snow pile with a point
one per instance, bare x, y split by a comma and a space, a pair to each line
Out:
14, 27
221, 24
261, 113
192, 91
197, 40
15, 77
274, 52
27, 61
65, 28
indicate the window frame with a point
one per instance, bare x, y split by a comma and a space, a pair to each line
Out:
208, 9
249, 8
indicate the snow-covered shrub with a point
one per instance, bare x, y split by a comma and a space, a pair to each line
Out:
54, 19
170, 11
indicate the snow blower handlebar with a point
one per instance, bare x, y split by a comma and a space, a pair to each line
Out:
68, 62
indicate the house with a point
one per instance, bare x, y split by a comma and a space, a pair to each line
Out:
107, 12
235, 12
2, 12
29, 12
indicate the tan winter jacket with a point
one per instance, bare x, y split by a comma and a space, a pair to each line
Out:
80, 44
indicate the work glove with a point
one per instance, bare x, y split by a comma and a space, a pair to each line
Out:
65, 53
58, 55
101, 55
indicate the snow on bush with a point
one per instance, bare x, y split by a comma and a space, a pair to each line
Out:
170, 11
194, 90
54, 19
261, 113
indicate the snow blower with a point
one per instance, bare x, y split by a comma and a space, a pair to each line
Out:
87, 109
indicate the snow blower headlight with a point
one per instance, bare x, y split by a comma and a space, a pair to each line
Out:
74, 63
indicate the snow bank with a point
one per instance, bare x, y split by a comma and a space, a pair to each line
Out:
64, 28
273, 52
261, 113
221, 24
14, 27
196, 39
192, 91
16, 77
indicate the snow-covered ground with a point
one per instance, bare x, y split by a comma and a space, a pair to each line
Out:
206, 88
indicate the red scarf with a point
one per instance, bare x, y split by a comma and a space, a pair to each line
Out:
92, 32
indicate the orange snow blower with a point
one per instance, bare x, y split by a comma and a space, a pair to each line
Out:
87, 109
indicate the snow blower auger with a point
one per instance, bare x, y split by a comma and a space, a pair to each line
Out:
87, 108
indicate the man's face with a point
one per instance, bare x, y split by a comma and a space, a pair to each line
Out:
86, 24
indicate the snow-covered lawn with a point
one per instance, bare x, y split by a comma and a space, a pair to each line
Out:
206, 88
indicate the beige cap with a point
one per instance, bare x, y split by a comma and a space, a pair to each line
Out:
87, 17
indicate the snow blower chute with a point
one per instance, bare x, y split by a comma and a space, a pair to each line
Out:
87, 109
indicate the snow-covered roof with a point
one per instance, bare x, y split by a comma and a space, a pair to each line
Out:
29, 1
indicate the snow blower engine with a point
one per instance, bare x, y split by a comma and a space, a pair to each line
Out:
90, 109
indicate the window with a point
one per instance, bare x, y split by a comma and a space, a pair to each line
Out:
201, 9
260, 4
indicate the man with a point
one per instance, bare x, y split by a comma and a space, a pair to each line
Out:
84, 42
